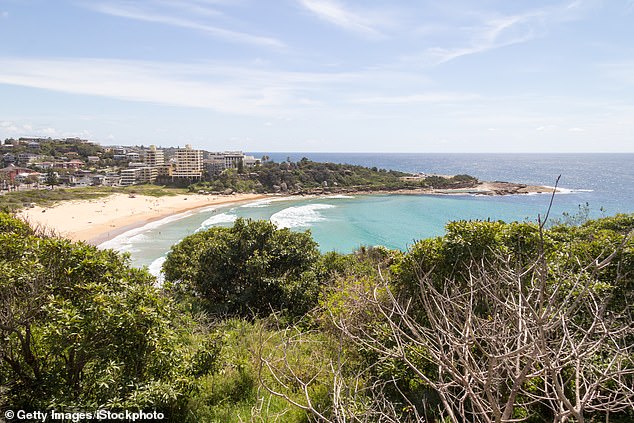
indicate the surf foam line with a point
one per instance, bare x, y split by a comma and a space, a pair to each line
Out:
265, 203
300, 216
128, 237
217, 219
123, 241
338, 196
156, 268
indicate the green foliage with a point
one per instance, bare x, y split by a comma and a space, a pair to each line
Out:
233, 392
355, 298
80, 328
306, 175
13, 225
51, 179
250, 268
482, 243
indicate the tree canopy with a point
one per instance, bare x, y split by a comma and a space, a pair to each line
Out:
250, 268
80, 328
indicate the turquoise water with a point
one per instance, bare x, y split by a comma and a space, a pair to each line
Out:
343, 223
340, 223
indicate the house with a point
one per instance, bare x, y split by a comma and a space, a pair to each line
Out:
27, 158
73, 164
108, 180
9, 158
10, 172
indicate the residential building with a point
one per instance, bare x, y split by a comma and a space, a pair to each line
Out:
10, 172
218, 161
154, 157
137, 164
133, 156
129, 176
108, 179
138, 175
165, 170
188, 163
27, 158
9, 158
72, 164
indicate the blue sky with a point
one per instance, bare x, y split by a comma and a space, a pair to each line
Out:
322, 75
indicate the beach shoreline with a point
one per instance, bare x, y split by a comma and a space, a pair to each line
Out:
97, 221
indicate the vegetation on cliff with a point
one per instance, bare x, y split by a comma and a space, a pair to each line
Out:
306, 176
491, 322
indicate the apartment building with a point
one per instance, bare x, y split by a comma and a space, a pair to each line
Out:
218, 161
154, 157
188, 163
138, 175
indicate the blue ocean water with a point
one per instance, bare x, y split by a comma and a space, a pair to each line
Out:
605, 182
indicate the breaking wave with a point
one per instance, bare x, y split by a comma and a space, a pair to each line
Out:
300, 216
217, 219
262, 203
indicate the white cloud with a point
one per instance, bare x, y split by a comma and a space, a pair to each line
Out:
492, 34
225, 88
13, 129
487, 31
336, 13
169, 18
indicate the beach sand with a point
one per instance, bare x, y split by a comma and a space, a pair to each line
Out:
99, 220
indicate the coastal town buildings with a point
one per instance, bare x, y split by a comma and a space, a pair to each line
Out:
138, 175
217, 162
188, 163
11, 172
80, 162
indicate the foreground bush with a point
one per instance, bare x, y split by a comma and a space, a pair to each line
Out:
493, 322
252, 268
81, 329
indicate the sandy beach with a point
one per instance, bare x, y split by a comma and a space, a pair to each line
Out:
96, 221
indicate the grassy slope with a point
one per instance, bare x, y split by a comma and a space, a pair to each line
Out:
14, 201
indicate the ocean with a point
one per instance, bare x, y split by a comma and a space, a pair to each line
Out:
602, 184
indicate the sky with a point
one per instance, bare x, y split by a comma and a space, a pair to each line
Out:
322, 75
